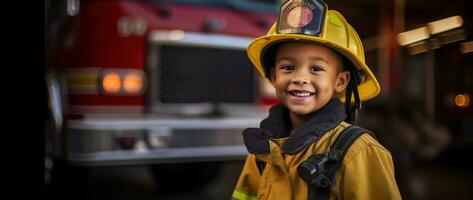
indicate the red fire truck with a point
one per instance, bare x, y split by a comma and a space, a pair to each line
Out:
152, 81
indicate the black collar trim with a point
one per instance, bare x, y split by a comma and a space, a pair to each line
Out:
278, 124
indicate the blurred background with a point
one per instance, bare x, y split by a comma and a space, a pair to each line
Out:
147, 98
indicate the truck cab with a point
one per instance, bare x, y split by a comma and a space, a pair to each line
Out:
153, 82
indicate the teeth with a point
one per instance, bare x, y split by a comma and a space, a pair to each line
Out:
301, 94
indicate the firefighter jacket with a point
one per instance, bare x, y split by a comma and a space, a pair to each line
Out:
367, 170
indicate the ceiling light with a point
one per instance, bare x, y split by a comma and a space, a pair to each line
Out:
445, 24
412, 36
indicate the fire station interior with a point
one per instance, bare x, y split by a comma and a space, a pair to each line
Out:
422, 54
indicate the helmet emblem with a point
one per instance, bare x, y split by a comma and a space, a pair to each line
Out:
299, 16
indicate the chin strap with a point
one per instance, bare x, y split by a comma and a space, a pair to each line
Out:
352, 90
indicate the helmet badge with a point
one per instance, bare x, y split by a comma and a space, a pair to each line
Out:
301, 17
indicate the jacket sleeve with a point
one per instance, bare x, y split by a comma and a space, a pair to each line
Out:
369, 175
248, 182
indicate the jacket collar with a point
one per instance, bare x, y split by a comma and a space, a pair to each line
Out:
278, 124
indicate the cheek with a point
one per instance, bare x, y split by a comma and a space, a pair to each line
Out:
280, 85
326, 85
280, 89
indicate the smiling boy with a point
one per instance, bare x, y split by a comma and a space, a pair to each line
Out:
306, 148
306, 76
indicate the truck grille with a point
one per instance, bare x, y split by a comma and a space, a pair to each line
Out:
194, 74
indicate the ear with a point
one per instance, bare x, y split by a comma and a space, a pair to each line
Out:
342, 81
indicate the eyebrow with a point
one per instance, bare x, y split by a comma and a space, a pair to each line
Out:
313, 58
316, 58
284, 58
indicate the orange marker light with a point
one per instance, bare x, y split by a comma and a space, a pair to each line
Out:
133, 83
462, 100
111, 82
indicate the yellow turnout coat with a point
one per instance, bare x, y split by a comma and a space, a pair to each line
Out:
367, 170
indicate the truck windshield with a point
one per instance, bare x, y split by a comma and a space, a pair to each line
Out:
245, 5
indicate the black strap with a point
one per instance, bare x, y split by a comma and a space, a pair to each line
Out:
352, 89
347, 137
336, 154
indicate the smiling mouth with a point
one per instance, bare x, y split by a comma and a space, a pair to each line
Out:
300, 93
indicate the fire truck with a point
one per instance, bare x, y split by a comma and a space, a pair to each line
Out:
164, 83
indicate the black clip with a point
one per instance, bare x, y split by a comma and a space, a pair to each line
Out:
315, 170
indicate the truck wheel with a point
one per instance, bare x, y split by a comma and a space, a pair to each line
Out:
184, 176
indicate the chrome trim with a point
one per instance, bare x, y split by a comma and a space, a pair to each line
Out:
56, 97
97, 139
174, 155
193, 38
55, 100
154, 123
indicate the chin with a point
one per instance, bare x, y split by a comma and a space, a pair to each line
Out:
301, 110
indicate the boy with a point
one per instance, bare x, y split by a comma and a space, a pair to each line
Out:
315, 61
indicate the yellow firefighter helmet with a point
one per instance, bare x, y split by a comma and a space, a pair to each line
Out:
311, 21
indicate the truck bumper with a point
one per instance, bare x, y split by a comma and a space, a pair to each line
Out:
147, 140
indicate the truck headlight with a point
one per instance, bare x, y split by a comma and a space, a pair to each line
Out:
111, 82
133, 83
122, 82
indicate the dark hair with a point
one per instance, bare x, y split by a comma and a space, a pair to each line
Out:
268, 58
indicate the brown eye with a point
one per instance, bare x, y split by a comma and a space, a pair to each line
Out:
315, 69
287, 68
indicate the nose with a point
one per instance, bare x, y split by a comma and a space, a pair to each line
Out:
300, 80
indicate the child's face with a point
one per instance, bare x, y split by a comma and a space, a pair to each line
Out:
306, 76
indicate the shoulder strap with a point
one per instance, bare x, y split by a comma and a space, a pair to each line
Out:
347, 137
336, 154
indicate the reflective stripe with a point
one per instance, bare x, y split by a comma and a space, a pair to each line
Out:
239, 195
